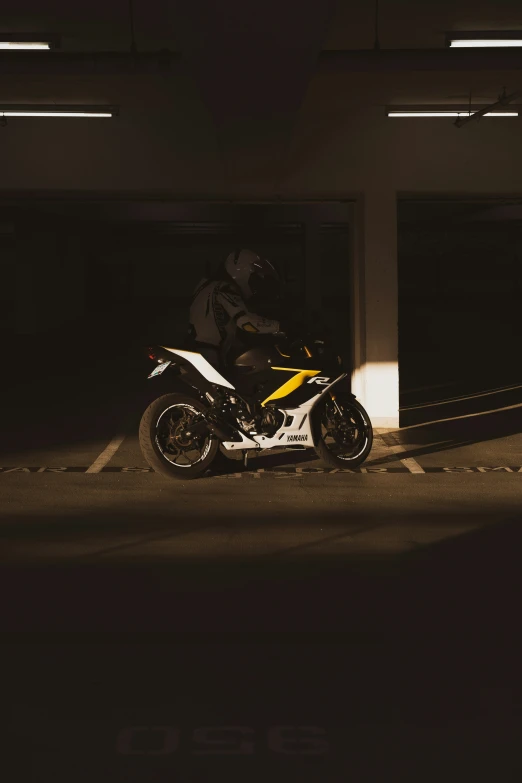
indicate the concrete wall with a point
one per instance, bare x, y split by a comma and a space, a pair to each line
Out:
341, 146
341, 143
49, 280
7, 285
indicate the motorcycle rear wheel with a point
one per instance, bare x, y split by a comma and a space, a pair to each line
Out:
164, 444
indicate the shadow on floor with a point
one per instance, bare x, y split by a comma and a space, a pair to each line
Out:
441, 436
468, 581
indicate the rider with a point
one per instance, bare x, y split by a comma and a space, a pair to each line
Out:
219, 304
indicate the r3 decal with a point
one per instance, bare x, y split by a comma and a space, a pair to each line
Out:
322, 380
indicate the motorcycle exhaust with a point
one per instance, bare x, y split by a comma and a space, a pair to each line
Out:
221, 430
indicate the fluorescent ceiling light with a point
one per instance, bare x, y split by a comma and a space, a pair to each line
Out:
57, 111
480, 43
53, 114
480, 39
24, 45
29, 40
450, 114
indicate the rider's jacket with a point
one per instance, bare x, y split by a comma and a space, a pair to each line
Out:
218, 309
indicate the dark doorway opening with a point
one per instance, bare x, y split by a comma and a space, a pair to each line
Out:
97, 280
460, 287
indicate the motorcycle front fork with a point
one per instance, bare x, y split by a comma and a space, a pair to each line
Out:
337, 408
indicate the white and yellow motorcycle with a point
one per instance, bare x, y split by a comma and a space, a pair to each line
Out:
286, 396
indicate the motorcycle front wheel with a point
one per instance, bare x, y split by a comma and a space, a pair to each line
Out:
343, 431
167, 443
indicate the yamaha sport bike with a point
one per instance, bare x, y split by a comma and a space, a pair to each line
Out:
290, 395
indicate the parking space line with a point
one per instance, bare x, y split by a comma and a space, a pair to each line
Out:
393, 445
412, 465
107, 454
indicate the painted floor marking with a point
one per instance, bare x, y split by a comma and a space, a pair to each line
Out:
291, 471
395, 446
107, 454
412, 465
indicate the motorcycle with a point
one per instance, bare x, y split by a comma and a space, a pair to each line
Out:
287, 395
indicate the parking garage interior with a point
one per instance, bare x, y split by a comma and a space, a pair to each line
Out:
277, 618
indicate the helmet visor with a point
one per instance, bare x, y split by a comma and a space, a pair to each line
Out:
265, 280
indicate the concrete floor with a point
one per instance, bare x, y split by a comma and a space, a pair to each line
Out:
422, 485
246, 545
380, 608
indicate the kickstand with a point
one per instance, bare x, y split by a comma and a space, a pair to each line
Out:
245, 460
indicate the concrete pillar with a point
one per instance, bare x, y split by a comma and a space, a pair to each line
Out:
375, 376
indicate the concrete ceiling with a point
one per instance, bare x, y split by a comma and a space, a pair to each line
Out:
413, 24
253, 63
405, 24
253, 67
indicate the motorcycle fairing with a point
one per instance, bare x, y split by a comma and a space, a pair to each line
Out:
202, 366
290, 384
211, 375
296, 429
